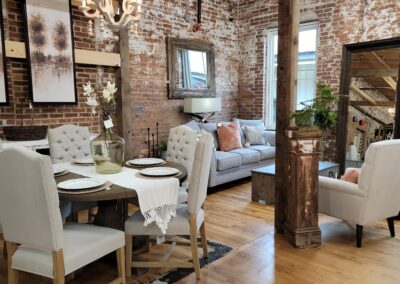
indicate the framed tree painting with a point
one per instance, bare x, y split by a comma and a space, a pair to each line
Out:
50, 51
3, 64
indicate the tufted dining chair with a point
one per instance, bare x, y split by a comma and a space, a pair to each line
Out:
189, 219
181, 148
68, 143
37, 242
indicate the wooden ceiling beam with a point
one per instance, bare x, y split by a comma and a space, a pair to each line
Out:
377, 103
389, 80
374, 72
362, 94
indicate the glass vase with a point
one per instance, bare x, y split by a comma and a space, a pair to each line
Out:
108, 150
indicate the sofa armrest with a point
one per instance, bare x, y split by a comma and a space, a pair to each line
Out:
340, 186
270, 137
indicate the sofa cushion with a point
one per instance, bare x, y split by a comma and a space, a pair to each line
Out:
254, 135
229, 136
226, 160
266, 152
243, 122
248, 156
270, 137
193, 125
211, 128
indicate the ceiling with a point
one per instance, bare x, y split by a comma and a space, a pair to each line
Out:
380, 71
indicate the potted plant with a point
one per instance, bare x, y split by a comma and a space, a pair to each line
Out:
163, 149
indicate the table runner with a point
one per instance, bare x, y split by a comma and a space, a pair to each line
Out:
158, 197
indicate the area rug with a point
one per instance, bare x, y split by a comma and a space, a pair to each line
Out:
216, 251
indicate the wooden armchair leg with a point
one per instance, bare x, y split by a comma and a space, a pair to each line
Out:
128, 258
193, 242
204, 239
12, 273
390, 222
58, 267
359, 233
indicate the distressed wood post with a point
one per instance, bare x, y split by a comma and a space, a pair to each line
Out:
126, 96
301, 227
288, 33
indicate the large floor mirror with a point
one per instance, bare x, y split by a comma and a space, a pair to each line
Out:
369, 105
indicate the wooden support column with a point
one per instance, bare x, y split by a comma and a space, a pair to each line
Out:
301, 228
126, 97
288, 31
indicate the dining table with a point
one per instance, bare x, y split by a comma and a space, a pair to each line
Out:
113, 201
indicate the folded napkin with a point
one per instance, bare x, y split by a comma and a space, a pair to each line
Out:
158, 197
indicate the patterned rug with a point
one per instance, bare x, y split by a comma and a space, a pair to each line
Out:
216, 251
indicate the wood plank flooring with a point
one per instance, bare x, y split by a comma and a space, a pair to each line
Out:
260, 256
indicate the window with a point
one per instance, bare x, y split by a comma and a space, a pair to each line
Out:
306, 69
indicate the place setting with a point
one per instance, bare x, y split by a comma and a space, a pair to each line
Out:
83, 186
145, 163
59, 170
83, 162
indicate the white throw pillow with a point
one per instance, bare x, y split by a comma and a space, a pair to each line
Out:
254, 135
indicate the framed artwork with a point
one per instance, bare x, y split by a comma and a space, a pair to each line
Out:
3, 64
50, 52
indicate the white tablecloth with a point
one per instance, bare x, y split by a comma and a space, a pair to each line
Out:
158, 197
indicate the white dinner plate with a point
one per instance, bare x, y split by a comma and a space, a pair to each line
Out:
159, 172
80, 183
57, 169
146, 162
84, 161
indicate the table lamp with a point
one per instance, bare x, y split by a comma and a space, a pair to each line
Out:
199, 107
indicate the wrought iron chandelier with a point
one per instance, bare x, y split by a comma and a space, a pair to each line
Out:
116, 17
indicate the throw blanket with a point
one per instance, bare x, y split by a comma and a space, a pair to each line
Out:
158, 197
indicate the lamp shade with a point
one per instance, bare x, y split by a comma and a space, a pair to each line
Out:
201, 105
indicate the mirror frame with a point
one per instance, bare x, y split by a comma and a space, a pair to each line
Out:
344, 89
174, 92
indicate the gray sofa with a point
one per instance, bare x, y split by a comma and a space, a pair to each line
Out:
238, 163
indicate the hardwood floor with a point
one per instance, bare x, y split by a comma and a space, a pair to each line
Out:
260, 256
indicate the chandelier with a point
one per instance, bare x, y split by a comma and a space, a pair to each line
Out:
124, 13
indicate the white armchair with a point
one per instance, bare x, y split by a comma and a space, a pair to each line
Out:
375, 197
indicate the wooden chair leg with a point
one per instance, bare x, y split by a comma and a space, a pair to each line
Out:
58, 267
121, 265
12, 273
359, 233
390, 222
204, 239
193, 242
128, 258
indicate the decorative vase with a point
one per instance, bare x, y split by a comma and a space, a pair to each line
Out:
108, 150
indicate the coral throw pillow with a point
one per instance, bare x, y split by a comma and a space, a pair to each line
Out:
351, 175
229, 136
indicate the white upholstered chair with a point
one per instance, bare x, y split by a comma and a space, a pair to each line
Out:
37, 242
181, 147
375, 197
68, 143
189, 217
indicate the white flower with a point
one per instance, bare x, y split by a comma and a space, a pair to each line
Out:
87, 89
111, 88
92, 102
107, 95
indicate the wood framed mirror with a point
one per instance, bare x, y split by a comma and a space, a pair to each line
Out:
369, 105
191, 68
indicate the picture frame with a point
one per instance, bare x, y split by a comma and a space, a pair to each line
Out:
4, 95
50, 52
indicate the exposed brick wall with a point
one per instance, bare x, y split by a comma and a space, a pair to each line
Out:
148, 62
18, 84
340, 22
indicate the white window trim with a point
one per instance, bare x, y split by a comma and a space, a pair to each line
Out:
269, 68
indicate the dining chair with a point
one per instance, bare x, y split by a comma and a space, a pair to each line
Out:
181, 148
375, 197
68, 143
37, 242
189, 218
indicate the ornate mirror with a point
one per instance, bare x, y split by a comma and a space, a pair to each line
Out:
191, 68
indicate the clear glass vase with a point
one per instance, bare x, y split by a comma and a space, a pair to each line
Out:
108, 150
